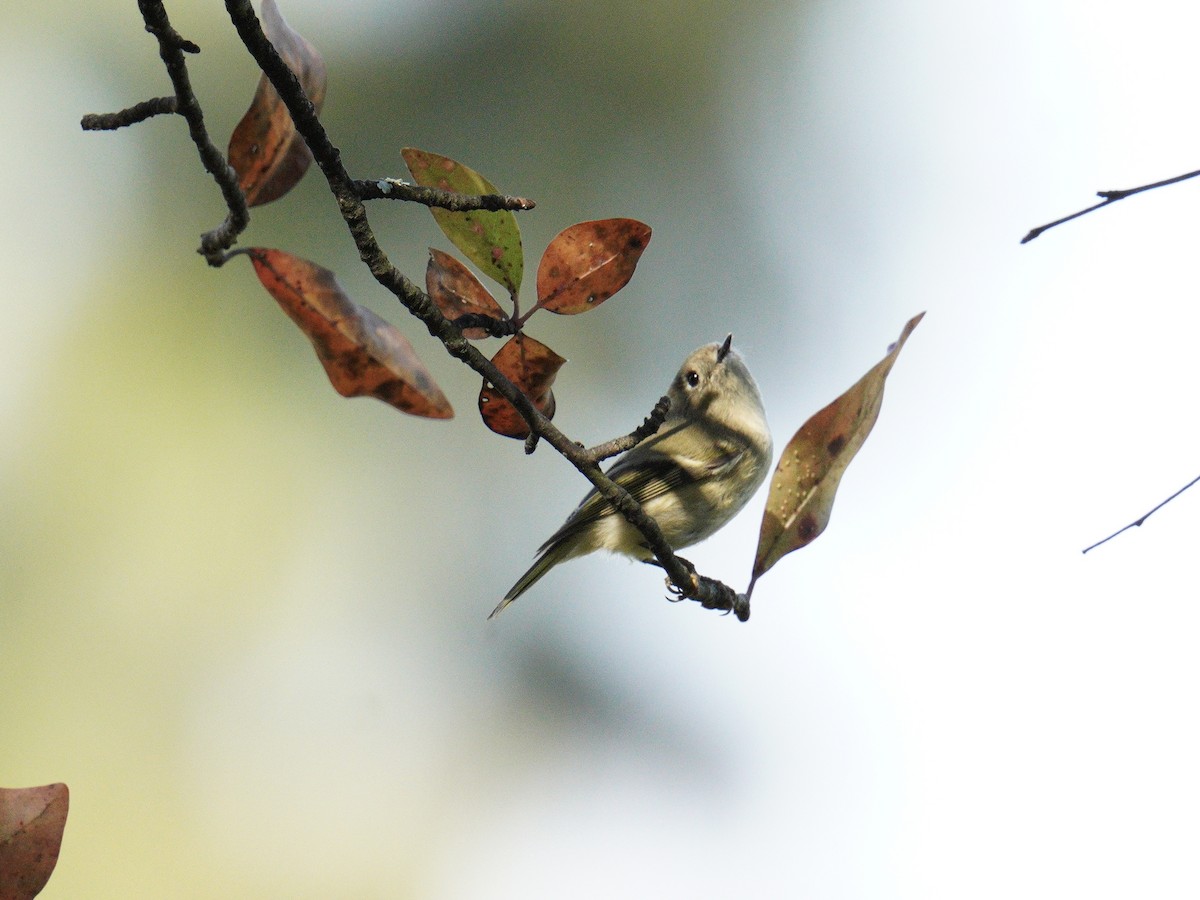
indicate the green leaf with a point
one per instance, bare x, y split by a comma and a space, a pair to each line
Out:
491, 240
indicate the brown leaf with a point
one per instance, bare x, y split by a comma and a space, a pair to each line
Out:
31, 830
807, 477
267, 153
588, 263
529, 365
457, 292
363, 355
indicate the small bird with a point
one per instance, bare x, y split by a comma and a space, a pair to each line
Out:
692, 475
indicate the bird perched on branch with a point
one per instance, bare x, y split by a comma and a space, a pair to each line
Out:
692, 476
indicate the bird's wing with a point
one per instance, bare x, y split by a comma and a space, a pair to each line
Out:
651, 476
646, 474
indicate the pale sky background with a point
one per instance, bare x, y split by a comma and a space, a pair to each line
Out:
244, 619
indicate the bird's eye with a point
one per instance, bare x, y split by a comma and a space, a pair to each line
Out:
693, 377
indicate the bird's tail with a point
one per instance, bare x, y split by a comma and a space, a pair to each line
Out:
549, 558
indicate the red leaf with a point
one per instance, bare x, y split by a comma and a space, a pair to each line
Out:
457, 292
31, 829
531, 366
363, 355
267, 153
588, 263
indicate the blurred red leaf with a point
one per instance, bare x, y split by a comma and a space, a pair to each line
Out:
811, 467
457, 292
31, 829
363, 355
588, 263
265, 150
531, 366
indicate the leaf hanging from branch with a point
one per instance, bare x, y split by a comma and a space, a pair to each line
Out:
812, 464
31, 829
491, 240
531, 366
363, 355
588, 263
266, 151
457, 292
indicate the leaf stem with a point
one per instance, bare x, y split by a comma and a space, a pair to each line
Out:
650, 426
522, 319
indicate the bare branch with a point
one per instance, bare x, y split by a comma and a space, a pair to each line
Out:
139, 112
493, 326
171, 48
1107, 197
653, 422
1139, 522
394, 189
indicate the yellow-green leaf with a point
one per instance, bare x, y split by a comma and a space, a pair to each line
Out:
491, 240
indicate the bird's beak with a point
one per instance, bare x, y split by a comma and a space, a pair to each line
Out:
724, 351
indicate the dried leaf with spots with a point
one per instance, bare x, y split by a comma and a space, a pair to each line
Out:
31, 829
265, 150
531, 366
588, 263
491, 240
363, 355
812, 464
457, 292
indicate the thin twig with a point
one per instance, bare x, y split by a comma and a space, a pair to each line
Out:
394, 189
171, 48
653, 422
139, 112
354, 213
1108, 197
1139, 522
